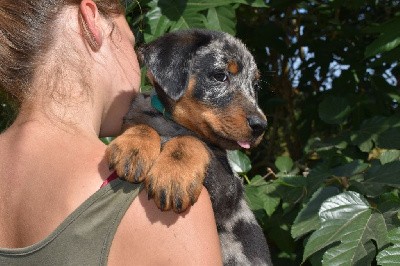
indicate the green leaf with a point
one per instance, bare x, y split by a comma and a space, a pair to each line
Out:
257, 181
384, 43
370, 131
391, 255
167, 15
389, 156
158, 23
222, 19
388, 40
334, 110
284, 164
292, 188
271, 204
318, 145
317, 177
348, 170
367, 189
259, 195
389, 205
308, 220
347, 225
384, 175
389, 139
240, 162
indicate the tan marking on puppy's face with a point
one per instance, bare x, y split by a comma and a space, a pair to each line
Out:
221, 126
233, 67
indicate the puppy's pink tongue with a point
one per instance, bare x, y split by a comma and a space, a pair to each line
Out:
244, 144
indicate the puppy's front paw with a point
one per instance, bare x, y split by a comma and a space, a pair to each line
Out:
133, 153
176, 178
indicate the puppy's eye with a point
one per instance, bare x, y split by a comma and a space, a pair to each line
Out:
221, 77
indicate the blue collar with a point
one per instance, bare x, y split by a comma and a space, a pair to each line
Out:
158, 105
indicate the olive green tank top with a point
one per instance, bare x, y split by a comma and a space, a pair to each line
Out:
85, 236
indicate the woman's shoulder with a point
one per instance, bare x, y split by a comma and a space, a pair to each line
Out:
148, 235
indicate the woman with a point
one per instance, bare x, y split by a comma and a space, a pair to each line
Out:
72, 65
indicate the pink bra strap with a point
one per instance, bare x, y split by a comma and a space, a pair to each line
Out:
109, 179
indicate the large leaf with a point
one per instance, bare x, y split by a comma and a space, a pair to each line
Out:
391, 255
388, 40
292, 188
350, 169
239, 161
389, 139
166, 15
317, 177
389, 156
284, 164
308, 220
348, 224
222, 18
334, 110
158, 24
260, 195
371, 129
384, 175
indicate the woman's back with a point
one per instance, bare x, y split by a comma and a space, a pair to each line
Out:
41, 186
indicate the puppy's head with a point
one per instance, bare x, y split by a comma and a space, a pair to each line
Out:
208, 81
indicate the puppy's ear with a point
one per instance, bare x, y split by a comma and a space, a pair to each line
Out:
168, 59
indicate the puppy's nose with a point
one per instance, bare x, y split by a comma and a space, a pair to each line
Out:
257, 124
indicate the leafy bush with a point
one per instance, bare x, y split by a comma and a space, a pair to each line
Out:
346, 208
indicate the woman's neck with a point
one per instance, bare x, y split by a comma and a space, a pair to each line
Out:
66, 115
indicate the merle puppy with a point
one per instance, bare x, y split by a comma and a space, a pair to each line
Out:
205, 103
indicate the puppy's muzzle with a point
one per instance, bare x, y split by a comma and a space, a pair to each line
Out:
257, 125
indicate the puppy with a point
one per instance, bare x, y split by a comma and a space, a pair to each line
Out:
176, 140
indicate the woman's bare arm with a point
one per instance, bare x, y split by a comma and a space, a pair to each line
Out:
147, 236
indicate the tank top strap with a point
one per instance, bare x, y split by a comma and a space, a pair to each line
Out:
85, 236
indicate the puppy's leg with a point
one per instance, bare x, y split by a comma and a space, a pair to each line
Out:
133, 153
176, 178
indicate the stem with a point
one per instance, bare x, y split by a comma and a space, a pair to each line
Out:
246, 178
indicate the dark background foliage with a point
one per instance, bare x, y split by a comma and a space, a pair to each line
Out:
324, 182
